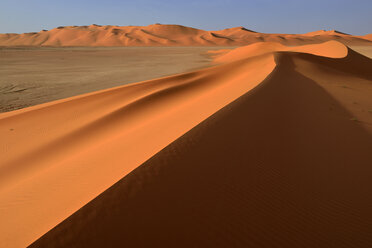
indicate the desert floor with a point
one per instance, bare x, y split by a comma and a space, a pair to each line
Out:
270, 147
30, 76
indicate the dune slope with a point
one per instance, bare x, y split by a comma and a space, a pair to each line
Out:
281, 166
331, 49
58, 156
258, 151
368, 36
166, 35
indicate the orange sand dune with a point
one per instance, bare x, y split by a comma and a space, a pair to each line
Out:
58, 156
325, 32
285, 165
368, 36
332, 49
165, 35
258, 151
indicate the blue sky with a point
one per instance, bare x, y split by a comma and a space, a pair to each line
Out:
270, 16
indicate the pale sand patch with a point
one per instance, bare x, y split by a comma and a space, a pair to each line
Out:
365, 50
31, 76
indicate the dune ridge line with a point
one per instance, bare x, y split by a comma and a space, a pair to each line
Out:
59, 156
272, 168
166, 35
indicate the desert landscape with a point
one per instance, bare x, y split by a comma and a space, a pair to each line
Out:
55, 73
167, 35
72, 60
172, 136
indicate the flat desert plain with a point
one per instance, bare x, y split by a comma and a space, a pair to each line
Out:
30, 76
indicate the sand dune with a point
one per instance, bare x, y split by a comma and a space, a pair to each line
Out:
368, 36
275, 168
332, 49
325, 32
365, 50
166, 35
261, 150
53, 154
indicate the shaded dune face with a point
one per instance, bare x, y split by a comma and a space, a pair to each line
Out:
166, 35
258, 151
58, 156
283, 165
209, 190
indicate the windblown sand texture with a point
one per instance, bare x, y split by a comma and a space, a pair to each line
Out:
265, 149
166, 35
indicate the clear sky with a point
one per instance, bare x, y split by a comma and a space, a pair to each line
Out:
270, 16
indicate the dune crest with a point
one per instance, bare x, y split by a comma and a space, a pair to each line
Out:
368, 36
332, 49
59, 156
165, 35
325, 32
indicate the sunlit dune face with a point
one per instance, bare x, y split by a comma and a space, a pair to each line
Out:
332, 49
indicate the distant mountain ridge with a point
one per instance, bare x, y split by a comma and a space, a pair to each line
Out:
166, 35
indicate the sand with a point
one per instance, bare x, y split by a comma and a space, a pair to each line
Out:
367, 36
365, 50
49, 74
269, 148
167, 35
